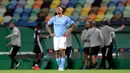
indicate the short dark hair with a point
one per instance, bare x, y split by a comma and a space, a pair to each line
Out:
61, 7
106, 22
93, 23
12, 22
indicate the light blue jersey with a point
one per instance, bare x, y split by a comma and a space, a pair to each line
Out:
60, 24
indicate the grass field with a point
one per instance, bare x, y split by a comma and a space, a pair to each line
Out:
66, 71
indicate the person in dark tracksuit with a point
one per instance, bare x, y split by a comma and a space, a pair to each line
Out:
108, 46
38, 50
15, 43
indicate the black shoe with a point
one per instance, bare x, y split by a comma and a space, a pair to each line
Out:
102, 68
109, 68
11, 68
93, 66
18, 64
86, 67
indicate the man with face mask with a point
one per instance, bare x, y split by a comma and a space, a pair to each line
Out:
38, 50
86, 44
60, 34
107, 49
15, 43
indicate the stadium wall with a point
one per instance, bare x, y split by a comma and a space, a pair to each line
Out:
122, 39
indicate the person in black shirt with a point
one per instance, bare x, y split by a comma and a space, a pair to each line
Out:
38, 50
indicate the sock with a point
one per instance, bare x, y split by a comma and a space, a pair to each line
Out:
58, 62
62, 62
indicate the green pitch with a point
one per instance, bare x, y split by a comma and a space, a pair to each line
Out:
66, 71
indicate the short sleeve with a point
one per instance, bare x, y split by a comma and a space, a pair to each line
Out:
69, 21
50, 22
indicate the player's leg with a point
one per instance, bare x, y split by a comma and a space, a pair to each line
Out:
93, 56
109, 57
12, 55
62, 46
57, 51
62, 52
68, 53
93, 61
103, 61
35, 59
96, 55
40, 53
86, 51
36, 48
40, 56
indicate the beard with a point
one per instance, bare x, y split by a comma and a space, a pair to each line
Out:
58, 13
10, 28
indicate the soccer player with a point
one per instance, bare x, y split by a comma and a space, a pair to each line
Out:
60, 22
15, 43
38, 50
95, 37
86, 44
107, 50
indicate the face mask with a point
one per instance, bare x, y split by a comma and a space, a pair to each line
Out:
10, 28
87, 28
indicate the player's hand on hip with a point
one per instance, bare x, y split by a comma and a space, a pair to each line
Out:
66, 34
52, 34
48, 37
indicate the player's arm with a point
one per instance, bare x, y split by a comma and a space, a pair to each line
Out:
44, 37
102, 39
48, 29
110, 29
9, 44
83, 37
13, 34
48, 26
72, 26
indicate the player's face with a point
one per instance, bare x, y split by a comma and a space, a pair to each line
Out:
59, 10
87, 25
93, 24
11, 25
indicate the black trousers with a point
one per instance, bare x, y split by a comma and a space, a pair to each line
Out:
68, 52
38, 54
107, 56
13, 52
